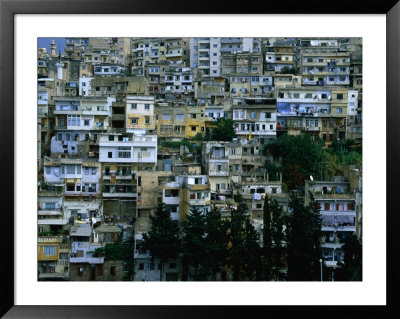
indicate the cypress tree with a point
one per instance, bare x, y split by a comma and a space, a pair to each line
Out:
162, 238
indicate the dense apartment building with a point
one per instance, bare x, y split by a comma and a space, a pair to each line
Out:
338, 206
126, 123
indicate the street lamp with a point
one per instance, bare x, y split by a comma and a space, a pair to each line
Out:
320, 262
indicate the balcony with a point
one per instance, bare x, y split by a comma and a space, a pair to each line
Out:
234, 40
339, 228
206, 49
47, 212
173, 54
49, 239
52, 221
124, 176
332, 245
199, 202
171, 200
60, 127
89, 260
48, 193
198, 186
218, 173
334, 196
119, 194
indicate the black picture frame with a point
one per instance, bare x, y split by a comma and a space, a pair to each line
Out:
9, 8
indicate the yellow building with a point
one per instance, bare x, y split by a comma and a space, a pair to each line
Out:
195, 121
140, 113
52, 258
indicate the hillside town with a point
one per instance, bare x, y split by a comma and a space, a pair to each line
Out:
200, 159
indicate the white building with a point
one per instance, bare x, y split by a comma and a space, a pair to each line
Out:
128, 148
108, 70
338, 212
85, 88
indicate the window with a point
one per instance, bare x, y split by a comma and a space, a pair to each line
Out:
219, 167
253, 115
339, 110
50, 206
49, 250
180, 117
350, 206
147, 106
133, 120
111, 137
326, 206
296, 95
193, 115
147, 119
141, 266
193, 128
48, 169
86, 122
166, 117
112, 270
268, 115
70, 187
74, 120
124, 152
339, 96
133, 106
70, 169
109, 154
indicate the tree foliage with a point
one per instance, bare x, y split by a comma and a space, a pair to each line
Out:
244, 252
194, 241
303, 235
162, 238
273, 240
224, 131
287, 70
301, 157
351, 269
216, 244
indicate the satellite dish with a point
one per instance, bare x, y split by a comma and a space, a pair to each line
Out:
311, 178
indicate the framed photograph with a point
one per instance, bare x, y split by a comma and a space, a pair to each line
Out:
24, 294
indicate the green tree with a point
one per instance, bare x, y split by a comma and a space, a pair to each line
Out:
224, 131
194, 241
301, 156
288, 70
244, 252
216, 244
303, 233
267, 241
351, 268
162, 238
273, 240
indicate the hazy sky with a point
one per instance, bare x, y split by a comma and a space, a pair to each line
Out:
45, 43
